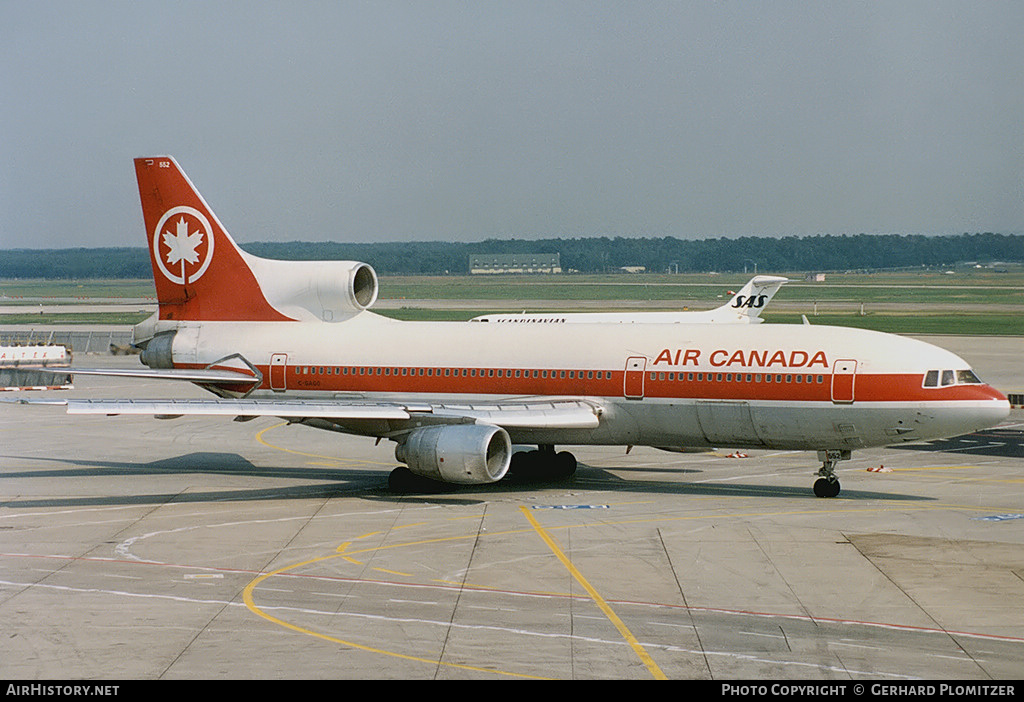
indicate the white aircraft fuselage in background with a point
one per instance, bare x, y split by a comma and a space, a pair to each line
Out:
744, 307
296, 340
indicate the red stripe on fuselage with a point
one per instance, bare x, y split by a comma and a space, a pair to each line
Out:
798, 387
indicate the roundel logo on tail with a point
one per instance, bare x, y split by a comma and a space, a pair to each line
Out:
183, 244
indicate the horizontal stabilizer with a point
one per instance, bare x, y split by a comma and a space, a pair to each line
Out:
197, 375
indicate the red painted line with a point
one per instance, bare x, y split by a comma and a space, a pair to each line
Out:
525, 593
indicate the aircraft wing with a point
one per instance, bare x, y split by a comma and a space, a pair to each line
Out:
522, 413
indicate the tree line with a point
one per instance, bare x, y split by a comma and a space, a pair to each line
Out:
585, 255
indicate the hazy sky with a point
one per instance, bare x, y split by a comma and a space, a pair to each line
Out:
398, 121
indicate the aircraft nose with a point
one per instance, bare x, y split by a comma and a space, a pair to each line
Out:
995, 409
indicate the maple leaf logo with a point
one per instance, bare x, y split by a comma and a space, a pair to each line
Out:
183, 245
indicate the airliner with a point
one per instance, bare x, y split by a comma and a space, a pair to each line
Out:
297, 340
745, 307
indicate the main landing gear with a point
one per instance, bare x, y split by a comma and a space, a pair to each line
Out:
542, 464
828, 485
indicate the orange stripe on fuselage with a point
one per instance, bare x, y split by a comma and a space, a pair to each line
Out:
690, 385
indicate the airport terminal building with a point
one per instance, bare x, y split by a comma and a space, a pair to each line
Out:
514, 263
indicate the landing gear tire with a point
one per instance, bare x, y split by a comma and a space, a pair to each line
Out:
541, 465
823, 487
403, 481
828, 485
565, 464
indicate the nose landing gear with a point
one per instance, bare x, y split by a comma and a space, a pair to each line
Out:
828, 485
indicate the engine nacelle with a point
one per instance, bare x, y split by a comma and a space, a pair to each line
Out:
328, 291
467, 454
157, 351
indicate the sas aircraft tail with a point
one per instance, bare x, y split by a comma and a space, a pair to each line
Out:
750, 301
202, 275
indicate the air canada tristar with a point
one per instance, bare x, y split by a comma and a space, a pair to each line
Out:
296, 340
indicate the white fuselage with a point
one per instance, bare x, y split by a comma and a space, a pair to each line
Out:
780, 386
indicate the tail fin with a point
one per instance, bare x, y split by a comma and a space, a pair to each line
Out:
751, 300
200, 272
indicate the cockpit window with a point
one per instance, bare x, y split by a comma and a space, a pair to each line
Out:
949, 377
967, 376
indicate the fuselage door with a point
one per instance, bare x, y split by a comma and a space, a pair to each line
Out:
278, 372
843, 377
633, 385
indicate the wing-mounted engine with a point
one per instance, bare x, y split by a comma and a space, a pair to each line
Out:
327, 291
467, 454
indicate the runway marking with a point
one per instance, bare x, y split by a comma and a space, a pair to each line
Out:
347, 461
595, 596
485, 588
512, 593
250, 603
902, 506
924, 468
394, 572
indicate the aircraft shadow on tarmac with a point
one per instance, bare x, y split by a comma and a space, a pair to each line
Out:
364, 483
603, 480
1008, 443
337, 481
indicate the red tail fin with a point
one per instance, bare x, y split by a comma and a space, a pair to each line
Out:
200, 272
